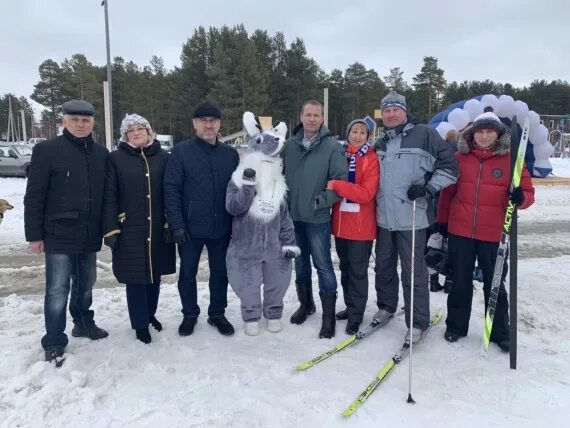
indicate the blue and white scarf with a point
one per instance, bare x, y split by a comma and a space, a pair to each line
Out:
348, 205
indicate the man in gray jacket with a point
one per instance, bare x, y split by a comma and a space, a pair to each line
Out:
415, 164
310, 159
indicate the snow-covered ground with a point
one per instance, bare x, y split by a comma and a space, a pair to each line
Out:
206, 380
560, 167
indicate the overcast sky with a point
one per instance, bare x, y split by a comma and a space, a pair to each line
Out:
513, 41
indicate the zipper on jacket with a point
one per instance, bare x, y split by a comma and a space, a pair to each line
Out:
149, 239
477, 198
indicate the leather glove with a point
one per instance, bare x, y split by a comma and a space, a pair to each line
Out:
416, 191
442, 229
517, 196
112, 242
180, 236
249, 174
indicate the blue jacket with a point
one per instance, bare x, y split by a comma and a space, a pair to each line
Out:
195, 183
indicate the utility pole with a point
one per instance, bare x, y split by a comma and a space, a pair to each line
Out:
108, 90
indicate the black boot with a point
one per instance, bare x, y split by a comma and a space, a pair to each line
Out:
352, 327
305, 295
155, 323
187, 326
329, 320
90, 331
222, 324
504, 345
342, 315
434, 285
144, 335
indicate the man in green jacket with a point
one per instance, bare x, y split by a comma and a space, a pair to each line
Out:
310, 159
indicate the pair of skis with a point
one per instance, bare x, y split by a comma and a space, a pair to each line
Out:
388, 367
516, 171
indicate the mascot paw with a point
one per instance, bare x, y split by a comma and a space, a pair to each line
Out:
291, 252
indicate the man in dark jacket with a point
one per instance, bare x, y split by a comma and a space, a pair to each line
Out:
62, 214
310, 159
415, 164
195, 182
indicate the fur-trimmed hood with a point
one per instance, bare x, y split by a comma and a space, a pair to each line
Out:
466, 142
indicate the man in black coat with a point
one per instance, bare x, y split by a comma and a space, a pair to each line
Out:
62, 214
195, 182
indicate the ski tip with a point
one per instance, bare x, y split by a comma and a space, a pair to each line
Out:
349, 411
410, 399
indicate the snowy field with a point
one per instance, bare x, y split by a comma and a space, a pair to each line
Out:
206, 380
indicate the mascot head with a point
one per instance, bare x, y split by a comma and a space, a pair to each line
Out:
269, 142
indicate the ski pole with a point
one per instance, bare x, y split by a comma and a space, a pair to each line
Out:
413, 268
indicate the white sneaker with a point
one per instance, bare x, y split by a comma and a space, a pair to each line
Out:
252, 328
274, 326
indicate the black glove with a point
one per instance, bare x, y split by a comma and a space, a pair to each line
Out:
112, 242
180, 236
517, 196
249, 174
416, 191
289, 254
442, 229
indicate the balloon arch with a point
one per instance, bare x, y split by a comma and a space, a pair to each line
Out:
459, 115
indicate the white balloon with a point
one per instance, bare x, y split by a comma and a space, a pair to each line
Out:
443, 128
543, 150
538, 134
505, 106
521, 111
533, 118
489, 100
459, 118
473, 107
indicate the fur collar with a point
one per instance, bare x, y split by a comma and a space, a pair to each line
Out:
269, 183
466, 142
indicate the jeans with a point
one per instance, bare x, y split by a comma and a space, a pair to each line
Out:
187, 287
64, 272
314, 240
142, 301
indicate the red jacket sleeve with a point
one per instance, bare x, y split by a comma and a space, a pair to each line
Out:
445, 198
365, 191
528, 189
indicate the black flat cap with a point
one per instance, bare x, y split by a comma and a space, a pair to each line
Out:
207, 109
78, 107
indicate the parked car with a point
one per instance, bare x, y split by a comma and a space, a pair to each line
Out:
34, 141
15, 159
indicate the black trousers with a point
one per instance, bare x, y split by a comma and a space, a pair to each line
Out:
218, 284
462, 253
354, 257
142, 301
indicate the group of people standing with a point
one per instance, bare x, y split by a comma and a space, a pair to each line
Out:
142, 202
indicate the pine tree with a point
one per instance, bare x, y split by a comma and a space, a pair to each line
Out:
429, 85
48, 91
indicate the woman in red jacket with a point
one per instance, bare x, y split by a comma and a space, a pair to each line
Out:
471, 213
354, 221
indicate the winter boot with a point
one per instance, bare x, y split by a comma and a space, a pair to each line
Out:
450, 336
504, 345
434, 285
274, 326
55, 355
155, 323
187, 326
305, 295
447, 285
383, 316
352, 327
252, 328
144, 335
328, 327
91, 332
341, 315
416, 336
222, 324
